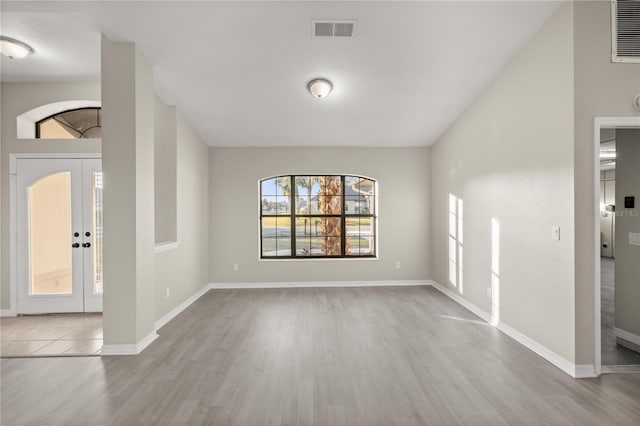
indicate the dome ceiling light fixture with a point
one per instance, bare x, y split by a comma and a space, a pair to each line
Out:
14, 49
319, 87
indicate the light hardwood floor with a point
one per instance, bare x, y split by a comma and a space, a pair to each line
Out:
332, 356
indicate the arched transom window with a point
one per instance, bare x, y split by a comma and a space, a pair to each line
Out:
81, 123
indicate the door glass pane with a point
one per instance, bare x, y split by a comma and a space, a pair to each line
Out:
96, 184
50, 235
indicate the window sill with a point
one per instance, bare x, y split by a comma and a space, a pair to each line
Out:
314, 259
165, 246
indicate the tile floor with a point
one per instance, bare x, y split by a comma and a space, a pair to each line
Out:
51, 335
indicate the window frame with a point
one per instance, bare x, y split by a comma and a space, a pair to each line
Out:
342, 216
49, 117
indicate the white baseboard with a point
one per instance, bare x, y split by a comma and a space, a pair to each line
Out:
130, 349
626, 335
126, 349
134, 349
181, 307
585, 371
462, 301
146, 341
546, 353
316, 284
618, 369
8, 313
577, 371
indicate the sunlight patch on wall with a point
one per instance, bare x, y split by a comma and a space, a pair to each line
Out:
456, 208
495, 271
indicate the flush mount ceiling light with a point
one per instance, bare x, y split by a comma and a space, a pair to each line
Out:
14, 49
319, 87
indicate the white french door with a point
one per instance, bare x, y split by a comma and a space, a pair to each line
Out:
59, 223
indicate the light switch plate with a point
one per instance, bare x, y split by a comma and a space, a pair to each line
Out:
634, 238
555, 233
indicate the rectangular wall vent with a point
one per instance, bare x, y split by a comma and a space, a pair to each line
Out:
625, 26
333, 28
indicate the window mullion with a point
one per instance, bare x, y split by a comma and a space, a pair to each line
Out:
343, 220
292, 242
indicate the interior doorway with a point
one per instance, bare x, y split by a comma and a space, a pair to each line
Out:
59, 235
618, 254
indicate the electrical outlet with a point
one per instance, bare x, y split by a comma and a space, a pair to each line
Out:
397, 264
167, 293
235, 267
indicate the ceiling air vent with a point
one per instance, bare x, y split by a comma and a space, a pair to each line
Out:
333, 28
625, 26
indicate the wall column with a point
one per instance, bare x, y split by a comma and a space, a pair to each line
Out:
128, 169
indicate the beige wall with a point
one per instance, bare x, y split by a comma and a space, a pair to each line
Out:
185, 269
602, 88
404, 193
627, 271
18, 98
510, 157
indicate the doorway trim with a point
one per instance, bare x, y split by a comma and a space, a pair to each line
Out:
12, 311
599, 123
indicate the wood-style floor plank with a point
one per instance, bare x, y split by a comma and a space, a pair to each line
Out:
332, 356
612, 353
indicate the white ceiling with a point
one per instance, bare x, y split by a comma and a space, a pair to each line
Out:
238, 70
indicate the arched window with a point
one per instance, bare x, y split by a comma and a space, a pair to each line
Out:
80, 123
318, 216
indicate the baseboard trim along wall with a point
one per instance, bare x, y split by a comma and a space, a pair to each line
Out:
8, 313
577, 371
130, 349
627, 339
585, 371
134, 349
317, 284
620, 369
628, 336
181, 307
462, 301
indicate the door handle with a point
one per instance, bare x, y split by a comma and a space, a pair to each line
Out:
86, 244
75, 245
